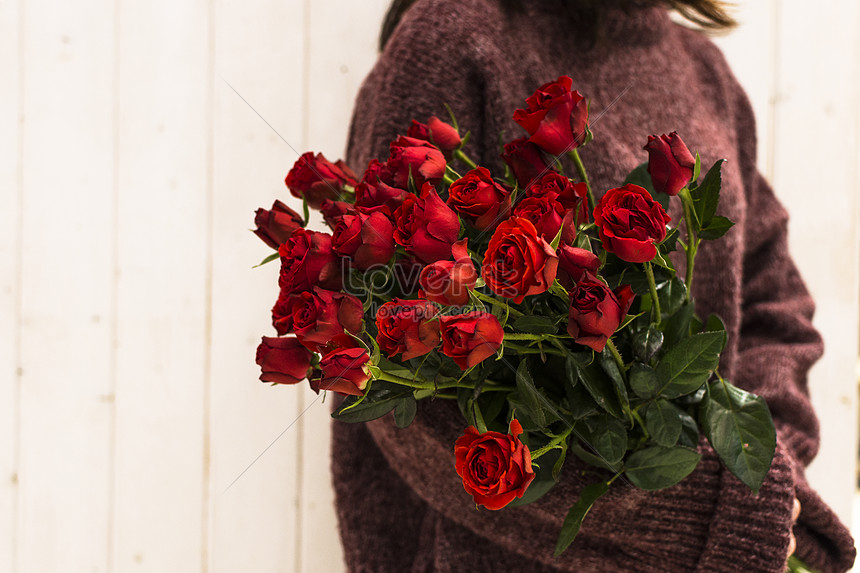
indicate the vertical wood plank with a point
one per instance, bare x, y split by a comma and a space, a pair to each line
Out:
259, 51
66, 285
10, 217
163, 223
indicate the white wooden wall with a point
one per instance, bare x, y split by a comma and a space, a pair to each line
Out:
129, 173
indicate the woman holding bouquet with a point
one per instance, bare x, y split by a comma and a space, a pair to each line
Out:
401, 508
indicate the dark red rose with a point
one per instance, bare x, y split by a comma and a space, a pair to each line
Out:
375, 188
315, 178
546, 214
556, 118
334, 210
574, 262
670, 163
276, 225
317, 317
343, 370
572, 196
410, 327
426, 226
423, 159
525, 160
283, 360
631, 223
307, 260
407, 271
418, 130
595, 311
495, 467
448, 282
364, 237
479, 199
518, 262
470, 338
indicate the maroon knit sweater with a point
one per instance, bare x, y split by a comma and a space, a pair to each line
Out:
401, 505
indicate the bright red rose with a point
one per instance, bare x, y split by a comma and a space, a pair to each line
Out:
410, 327
448, 282
315, 178
375, 188
436, 131
670, 163
283, 360
525, 160
276, 225
470, 338
545, 213
479, 199
574, 262
317, 317
332, 211
631, 223
572, 196
343, 370
364, 237
307, 260
423, 159
495, 467
556, 118
426, 226
596, 312
518, 262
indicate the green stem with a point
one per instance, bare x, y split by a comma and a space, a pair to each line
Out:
656, 315
496, 302
580, 167
458, 153
553, 444
616, 355
641, 423
692, 240
488, 385
527, 350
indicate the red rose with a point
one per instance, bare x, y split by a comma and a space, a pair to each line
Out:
595, 311
479, 199
375, 188
332, 211
518, 262
283, 360
364, 237
631, 223
470, 338
670, 163
573, 262
307, 260
448, 282
276, 225
436, 131
426, 226
495, 467
421, 158
546, 214
556, 118
525, 160
410, 327
572, 196
344, 370
317, 317
315, 178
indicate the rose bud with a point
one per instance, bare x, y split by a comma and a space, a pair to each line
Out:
448, 282
572, 196
631, 223
410, 327
276, 225
495, 467
283, 360
480, 200
670, 163
364, 237
470, 338
518, 262
556, 118
315, 179
307, 260
375, 190
545, 213
437, 132
343, 370
595, 311
317, 317
332, 211
574, 262
426, 226
525, 160
420, 158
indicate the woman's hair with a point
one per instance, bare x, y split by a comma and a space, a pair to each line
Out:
709, 14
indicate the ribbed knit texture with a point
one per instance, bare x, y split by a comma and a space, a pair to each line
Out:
401, 505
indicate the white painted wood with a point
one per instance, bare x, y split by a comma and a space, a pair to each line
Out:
67, 286
163, 235
255, 523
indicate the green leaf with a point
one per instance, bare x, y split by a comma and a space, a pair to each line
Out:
659, 467
672, 295
689, 431
607, 362
600, 386
717, 227
689, 364
580, 402
535, 325
707, 195
405, 410
391, 367
556, 467
647, 343
573, 520
678, 325
643, 380
663, 422
531, 400
739, 427
268, 259
607, 436
380, 399
697, 170
670, 243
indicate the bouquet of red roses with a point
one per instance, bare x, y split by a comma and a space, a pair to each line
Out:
557, 323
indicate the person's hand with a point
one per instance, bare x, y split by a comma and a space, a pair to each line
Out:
795, 513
